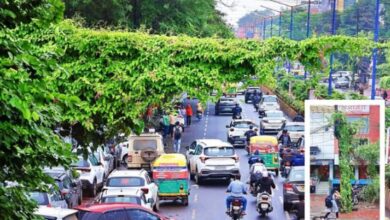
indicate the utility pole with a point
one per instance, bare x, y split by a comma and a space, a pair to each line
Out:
375, 51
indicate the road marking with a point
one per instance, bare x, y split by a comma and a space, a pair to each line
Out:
193, 214
281, 199
196, 198
287, 215
195, 186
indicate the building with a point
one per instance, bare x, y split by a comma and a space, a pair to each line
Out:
324, 149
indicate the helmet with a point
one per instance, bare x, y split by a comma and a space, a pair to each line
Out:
257, 152
284, 130
251, 127
237, 104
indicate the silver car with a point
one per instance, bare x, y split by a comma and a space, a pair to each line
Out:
272, 122
268, 103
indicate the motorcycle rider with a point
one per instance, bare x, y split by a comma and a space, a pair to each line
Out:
285, 139
237, 110
266, 183
236, 189
255, 100
250, 133
255, 158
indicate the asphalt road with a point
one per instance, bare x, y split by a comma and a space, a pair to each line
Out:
208, 200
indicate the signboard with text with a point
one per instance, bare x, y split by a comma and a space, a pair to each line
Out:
354, 109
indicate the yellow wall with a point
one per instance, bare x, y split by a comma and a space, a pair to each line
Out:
340, 5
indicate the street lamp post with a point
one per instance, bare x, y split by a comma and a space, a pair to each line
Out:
271, 25
375, 51
308, 26
264, 29
280, 17
332, 56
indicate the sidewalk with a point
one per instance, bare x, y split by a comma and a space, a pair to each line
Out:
364, 212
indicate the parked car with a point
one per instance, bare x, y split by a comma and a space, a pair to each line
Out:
126, 195
52, 198
91, 172
69, 187
134, 179
293, 187
213, 159
144, 149
249, 93
51, 213
237, 129
225, 105
268, 103
342, 82
106, 159
273, 122
122, 211
294, 129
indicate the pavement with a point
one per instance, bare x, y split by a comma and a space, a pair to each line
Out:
364, 211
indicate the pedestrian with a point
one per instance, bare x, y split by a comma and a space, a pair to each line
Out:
183, 113
172, 120
384, 95
164, 123
177, 132
334, 197
199, 110
189, 114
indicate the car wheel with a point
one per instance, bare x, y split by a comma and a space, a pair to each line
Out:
286, 207
156, 206
93, 189
124, 159
185, 201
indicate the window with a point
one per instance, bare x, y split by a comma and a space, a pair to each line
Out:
243, 124
93, 159
137, 214
363, 120
66, 182
117, 215
198, 150
295, 128
142, 144
219, 151
296, 175
40, 197
125, 182
81, 163
275, 114
269, 99
125, 199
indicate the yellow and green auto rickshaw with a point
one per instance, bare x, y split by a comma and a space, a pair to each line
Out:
170, 173
268, 149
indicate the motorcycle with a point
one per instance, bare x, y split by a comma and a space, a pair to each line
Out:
235, 211
355, 194
264, 203
237, 116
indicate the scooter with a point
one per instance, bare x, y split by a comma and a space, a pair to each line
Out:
235, 211
264, 204
237, 116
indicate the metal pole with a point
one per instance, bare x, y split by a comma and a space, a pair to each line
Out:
308, 27
331, 56
264, 29
271, 25
280, 24
375, 51
291, 23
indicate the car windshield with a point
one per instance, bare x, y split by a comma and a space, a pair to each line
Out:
219, 151
126, 199
253, 89
226, 101
296, 175
142, 144
40, 197
81, 163
274, 114
342, 79
125, 182
242, 124
270, 99
295, 128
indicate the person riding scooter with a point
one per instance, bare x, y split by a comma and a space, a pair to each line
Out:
236, 189
250, 133
266, 183
255, 158
237, 111
285, 139
256, 100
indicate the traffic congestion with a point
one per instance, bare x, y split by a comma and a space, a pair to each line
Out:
242, 158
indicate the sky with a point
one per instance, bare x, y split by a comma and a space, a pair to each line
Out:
237, 9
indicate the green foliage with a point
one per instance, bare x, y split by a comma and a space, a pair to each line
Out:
385, 82
387, 117
387, 175
371, 192
321, 92
173, 17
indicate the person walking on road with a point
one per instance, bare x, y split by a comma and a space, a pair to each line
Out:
189, 114
164, 123
334, 197
177, 133
183, 113
199, 111
172, 121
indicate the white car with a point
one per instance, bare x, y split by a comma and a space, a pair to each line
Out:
134, 179
56, 213
213, 159
106, 159
124, 149
91, 173
295, 129
268, 103
237, 129
126, 195
273, 122
52, 198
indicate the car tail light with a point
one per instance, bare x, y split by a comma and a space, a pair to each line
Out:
145, 190
288, 186
130, 158
231, 129
49, 205
202, 159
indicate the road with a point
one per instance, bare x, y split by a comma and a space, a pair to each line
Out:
208, 200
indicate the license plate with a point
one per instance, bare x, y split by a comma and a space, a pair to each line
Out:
264, 206
220, 167
227, 109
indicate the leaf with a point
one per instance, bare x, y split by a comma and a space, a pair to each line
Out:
21, 106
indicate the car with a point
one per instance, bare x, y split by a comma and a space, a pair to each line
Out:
51, 213
267, 103
106, 159
293, 187
213, 159
52, 198
124, 149
294, 129
126, 195
342, 82
249, 93
192, 146
122, 211
225, 105
69, 187
237, 129
91, 172
273, 122
134, 179
143, 150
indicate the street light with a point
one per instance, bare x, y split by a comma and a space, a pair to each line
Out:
375, 51
280, 17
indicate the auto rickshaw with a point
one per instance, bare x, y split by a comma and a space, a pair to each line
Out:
267, 146
170, 173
